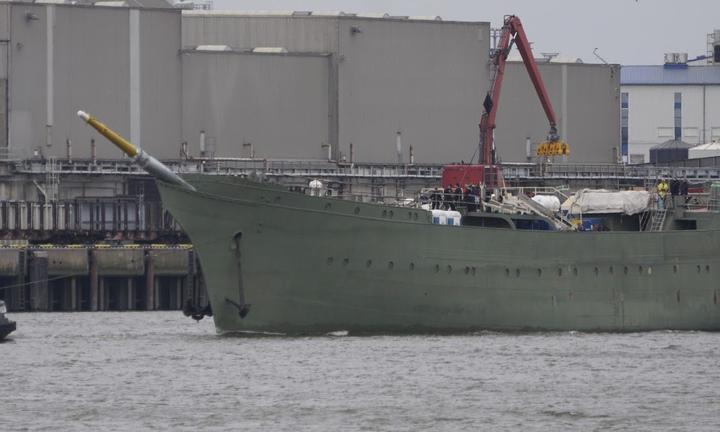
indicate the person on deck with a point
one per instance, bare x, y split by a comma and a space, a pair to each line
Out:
447, 198
458, 195
662, 190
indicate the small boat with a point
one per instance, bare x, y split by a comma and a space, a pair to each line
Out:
6, 326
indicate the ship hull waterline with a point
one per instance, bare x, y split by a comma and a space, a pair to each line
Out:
309, 265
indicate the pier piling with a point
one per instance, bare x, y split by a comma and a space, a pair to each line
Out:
99, 277
38, 272
94, 282
150, 284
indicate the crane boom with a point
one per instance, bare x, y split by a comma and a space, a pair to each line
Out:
513, 33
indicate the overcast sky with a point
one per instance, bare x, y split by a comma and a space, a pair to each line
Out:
624, 31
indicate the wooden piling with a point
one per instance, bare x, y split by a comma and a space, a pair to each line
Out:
38, 272
94, 282
150, 284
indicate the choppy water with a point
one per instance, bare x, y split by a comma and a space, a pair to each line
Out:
159, 370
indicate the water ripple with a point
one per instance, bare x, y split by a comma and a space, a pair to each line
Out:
161, 371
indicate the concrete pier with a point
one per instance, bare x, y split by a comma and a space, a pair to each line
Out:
98, 277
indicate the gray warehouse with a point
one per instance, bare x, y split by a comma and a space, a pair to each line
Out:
121, 64
298, 85
423, 77
257, 104
586, 100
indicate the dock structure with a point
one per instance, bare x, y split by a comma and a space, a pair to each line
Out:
100, 277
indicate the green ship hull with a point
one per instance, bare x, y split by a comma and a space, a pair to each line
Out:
282, 262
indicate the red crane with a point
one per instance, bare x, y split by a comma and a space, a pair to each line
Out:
487, 171
513, 33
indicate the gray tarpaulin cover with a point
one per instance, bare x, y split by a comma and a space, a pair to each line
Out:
605, 201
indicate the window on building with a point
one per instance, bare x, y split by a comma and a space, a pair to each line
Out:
678, 116
624, 107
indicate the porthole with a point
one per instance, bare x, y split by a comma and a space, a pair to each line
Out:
368, 264
626, 270
357, 210
507, 272
330, 260
575, 271
539, 271
409, 215
640, 269
391, 214
677, 296
517, 272
328, 206
559, 272
277, 200
467, 270
612, 270
675, 268
449, 269
391, 265
346, 261
437, 268
415, 216
384, 213
597, 271
699, 269
474, 271
412, 266
707, 269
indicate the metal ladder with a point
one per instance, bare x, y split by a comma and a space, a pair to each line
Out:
658, 220
539, 209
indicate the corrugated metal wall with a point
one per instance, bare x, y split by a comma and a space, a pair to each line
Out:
298, 34
586, 100
278, 103
425, 79
27, 92
91, 69
422, 78
4, 37
3, 118
161, 83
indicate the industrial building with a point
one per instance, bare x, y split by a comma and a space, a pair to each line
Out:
298, 85
421, 76
60, 58
586, 100
381, 75
678, 100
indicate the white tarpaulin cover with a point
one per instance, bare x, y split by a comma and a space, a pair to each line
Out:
704, 150
605, 201
550, 202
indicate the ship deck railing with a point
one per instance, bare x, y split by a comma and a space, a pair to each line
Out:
329, 168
